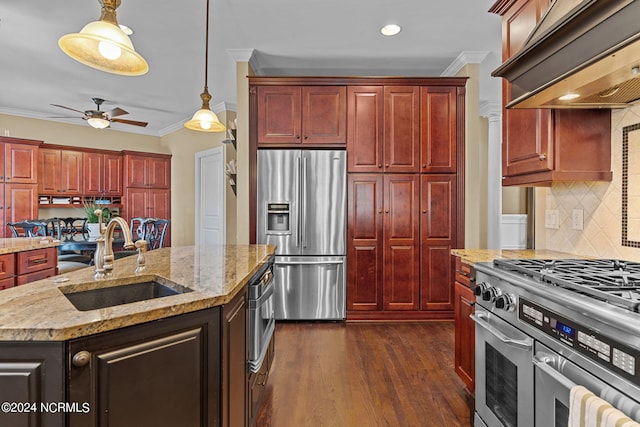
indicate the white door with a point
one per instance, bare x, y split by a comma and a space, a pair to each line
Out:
210, 197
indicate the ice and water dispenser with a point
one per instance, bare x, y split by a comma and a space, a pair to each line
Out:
278, 215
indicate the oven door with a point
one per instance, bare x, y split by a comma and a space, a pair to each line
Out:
555, 376
504, 372
262, 324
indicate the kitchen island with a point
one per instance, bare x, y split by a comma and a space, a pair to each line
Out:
160, 361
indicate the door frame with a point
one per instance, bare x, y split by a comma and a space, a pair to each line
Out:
199, 156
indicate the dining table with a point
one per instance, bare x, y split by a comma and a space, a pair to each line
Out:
84, 243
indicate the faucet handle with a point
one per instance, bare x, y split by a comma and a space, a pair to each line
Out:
141, 245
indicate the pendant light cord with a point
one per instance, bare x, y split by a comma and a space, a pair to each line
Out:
206, 50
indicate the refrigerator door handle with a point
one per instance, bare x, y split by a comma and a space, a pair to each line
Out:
299, 216
303, 212
308, 262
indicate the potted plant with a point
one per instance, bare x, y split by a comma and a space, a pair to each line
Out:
92, 218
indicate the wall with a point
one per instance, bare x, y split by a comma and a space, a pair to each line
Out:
182, 144
601, 202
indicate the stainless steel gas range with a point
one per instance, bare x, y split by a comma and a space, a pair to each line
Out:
545, 326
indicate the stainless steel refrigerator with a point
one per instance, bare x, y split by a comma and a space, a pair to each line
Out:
302, 210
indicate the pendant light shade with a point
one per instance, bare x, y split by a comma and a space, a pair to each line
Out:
205, 120
104, 46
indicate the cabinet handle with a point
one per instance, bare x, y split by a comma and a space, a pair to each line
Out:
542, 156
424, 166
386, 211
8, 178
306, 137
8, 207
379, 211
424, 211
1, 177
387, 165
380, 165
297, 136
81, 358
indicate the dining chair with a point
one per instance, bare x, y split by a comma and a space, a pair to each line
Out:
154, 231
28, 228
135, 224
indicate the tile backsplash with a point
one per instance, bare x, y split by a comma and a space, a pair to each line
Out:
601, 203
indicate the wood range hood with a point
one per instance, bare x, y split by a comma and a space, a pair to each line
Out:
586, 47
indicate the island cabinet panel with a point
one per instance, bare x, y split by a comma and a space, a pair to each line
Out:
438, 129
364, 242
159, 374
464, 326
438, 206
402, 129
235, 354
32, 374
7, 270
365, 134
545, 145
294, 115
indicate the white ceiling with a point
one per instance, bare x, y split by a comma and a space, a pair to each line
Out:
289, 37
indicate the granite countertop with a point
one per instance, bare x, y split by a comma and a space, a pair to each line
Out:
21, 244
473, 256
39, 311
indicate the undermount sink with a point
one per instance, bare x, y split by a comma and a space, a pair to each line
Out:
103, 297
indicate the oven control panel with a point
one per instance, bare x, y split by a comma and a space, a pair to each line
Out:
595, 346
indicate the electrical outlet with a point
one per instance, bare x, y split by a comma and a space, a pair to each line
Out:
552, 219
577, 219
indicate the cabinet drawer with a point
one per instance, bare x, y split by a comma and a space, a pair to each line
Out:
463, 273
7, 283
36, 275
37, 260
7, 266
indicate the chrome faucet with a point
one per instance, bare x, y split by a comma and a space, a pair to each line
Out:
103, 258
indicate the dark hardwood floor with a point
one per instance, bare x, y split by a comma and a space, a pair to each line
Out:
364, 374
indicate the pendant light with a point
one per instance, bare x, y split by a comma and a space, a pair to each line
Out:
205, 120
103, 45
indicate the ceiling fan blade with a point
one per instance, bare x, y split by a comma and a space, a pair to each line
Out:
130, 122
117, 112
72, 109
64, 117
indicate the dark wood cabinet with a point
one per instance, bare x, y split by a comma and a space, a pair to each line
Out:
545, 145
301, 115
20, 161
33, 373
438, 212
147, 203
364, 242
402, 129
464, 325
365, 133
401, 242
20, 203
438, 129
60, 172
102, 174
146, 170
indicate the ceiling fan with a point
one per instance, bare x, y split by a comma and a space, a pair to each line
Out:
102, 119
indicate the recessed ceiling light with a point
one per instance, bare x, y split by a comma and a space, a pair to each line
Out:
569, 97
390, 30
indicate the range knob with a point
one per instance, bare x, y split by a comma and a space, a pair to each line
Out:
479, 288
490, 294
506, 302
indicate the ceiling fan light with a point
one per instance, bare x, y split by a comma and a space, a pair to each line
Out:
205, 120
103, 45
98, 123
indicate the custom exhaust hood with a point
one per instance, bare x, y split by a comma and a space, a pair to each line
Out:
589, 48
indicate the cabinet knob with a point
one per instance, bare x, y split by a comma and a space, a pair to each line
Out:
8, 207
424, 211
387, 165
379, 165
542, 156
306, 137
386, 211
8, 178
81, 358
379, 211
424, 166
1, 177
297, 136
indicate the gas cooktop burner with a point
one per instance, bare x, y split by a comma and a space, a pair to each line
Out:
611, 280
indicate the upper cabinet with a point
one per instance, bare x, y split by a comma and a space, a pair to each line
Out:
60, 172
293, 115
402, 129
438, 129
19, 161
102, 174
545, 145
144, 170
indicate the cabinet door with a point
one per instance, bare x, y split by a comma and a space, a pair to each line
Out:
401, 242
279, 115
365, 131
159, 172
20, 163
112, 175
159, 204
21, 202
93, 173
137, 203
438, 234
4, 215
235, 353
324, 115
402, 129
464, 335
136, 173
364, 242
48, 171
438, 132
526, 133
71, 175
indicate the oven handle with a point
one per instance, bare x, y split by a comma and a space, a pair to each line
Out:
266, 294
544, 364
479, 318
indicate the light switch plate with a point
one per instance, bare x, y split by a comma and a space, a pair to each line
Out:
552, 219
577, 219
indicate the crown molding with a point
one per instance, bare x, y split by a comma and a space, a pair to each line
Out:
464, 58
